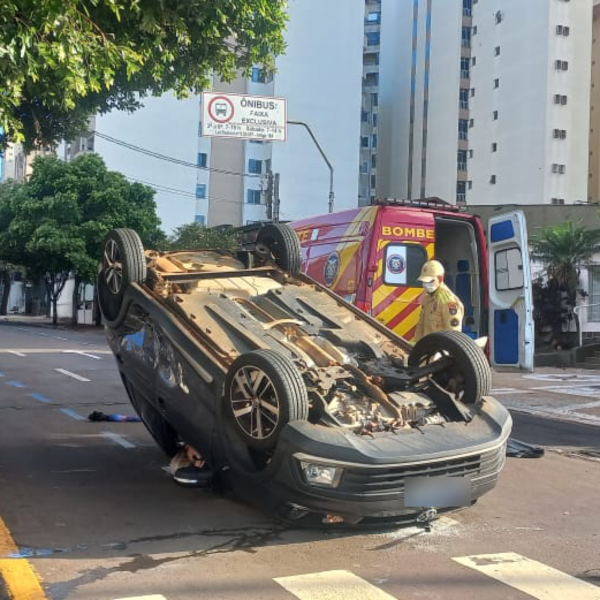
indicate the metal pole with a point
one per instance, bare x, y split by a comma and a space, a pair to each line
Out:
320, 149
276, 200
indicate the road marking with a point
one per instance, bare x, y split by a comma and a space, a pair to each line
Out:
73, 375
155, 597
118, 439
19, 577
331, 585
52, 351
509, 391
17, 384
42, 334
17, 353
530, 577
72, 414
1, 374
62, 339
82, 353
40, 398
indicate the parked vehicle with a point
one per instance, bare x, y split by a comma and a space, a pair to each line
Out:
372, 257
299, 401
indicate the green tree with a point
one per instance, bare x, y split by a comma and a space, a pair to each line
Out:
562, 249
194, 236
62, 214
63, 61
8, 255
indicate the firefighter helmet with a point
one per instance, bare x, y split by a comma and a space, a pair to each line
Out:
431, 270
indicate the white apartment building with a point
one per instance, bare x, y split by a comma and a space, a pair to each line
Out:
485, 101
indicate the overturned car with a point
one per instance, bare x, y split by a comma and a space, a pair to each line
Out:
299, 401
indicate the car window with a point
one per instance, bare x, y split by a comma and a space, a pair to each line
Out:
402, 264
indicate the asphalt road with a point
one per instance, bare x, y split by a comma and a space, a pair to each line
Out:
93, 510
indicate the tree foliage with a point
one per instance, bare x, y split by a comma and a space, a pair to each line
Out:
58, 219
193, 236
63, 61
562, 249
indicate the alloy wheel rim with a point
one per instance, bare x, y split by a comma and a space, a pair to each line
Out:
113, 267
254, 402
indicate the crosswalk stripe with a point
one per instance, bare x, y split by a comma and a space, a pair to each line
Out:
531, 577
155, 597
331, 585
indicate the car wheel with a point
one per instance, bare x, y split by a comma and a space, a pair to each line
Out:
469, 377
123, 262
263, 392
164, 435
283, 244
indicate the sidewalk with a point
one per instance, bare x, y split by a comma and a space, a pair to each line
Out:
43, 321
565, 394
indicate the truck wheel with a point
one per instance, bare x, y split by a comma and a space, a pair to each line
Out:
263, 392
469, 377
123, 262
283, 244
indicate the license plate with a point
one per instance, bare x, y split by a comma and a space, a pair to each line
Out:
438, 492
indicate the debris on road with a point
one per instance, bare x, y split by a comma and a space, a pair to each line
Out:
100, 416
518, 449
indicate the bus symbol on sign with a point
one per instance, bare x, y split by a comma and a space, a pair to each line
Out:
220, 109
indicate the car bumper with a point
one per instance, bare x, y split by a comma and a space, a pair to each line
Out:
372, 480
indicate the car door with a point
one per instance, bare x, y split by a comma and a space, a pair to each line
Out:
511, 305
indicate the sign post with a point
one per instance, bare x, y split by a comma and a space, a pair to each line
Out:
241, 116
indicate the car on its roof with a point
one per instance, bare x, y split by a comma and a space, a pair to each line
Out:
300, 402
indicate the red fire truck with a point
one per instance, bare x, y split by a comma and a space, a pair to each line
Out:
372, 257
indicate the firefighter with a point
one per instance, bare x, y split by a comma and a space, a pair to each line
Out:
440, 308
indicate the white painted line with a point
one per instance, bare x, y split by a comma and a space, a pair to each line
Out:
73, 375
496, 390
82, 353
331, 585
62, 339
72, 414
43, 334
118, 439
531, 577
29, 351
17, 353
154, 597
515, 392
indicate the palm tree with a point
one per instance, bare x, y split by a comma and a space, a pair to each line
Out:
563, 249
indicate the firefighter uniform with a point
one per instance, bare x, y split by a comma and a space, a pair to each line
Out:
440, 311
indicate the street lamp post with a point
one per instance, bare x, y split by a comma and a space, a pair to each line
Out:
322, 152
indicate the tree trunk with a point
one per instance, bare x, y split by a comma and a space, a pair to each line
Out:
75, 301
54, 310
5, 275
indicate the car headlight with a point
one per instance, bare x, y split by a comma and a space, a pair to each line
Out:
321, 475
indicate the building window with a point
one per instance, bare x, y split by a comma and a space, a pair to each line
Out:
375, 99
373, 181
374, 141
560, 169
201, 190
200, 219
562, 30
559, 134
493, 180
199, 127
461, 192
375, 120
558, 201
365, 167
469, 185
465, 67
471, 122
257, 75
374, 17
364, 142
253, 197
374, 161
496, 83
498, 17
373, 38
471, 153
495, 115
497, 51
561, 65
560, 99
473, 61
372, 79
494, 146
466, 37
202, 159
268, 165
255, 166
462, 160
364, 116
472, 92
463, 128
467, 8
464, 98
474, 30
594, 297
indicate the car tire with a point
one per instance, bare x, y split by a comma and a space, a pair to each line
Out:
123, 262
470, 378
163, 434
263, 392
283, 244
